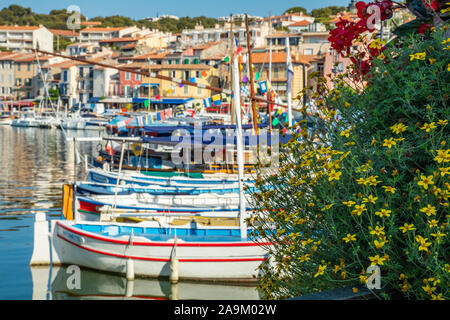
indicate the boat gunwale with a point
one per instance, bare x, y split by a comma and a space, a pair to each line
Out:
94, 236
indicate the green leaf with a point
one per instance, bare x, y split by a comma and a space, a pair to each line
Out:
408, 28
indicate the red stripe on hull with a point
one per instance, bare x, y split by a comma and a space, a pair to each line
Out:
158, 259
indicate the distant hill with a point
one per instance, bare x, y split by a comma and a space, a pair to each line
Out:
15, 14
57, 19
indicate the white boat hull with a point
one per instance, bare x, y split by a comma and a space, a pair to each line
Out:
237, 260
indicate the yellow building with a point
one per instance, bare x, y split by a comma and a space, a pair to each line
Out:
198, 73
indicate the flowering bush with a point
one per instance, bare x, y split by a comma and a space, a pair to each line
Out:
369, 185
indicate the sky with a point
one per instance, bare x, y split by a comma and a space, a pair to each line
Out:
139, 9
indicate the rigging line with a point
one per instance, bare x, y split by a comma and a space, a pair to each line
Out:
45, 82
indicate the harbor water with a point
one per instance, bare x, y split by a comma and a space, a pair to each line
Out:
34, 164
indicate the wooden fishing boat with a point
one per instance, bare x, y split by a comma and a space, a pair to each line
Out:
144, 165
193, 253
136, 178
109, 189
93, 207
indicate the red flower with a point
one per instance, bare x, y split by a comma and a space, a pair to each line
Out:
342, 36
366, 12
423, 28
362, 67
434, 4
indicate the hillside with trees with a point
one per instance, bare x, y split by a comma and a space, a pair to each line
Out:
57, 19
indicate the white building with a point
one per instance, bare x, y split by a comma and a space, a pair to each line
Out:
200, 35
306, 26
26, 38
168, 16
106, 82
94, 35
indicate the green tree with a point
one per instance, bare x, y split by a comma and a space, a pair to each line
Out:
296, 10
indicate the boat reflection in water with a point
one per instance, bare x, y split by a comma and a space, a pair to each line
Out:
93, 285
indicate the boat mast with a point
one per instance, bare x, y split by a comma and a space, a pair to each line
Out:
232, 106
252, 88
288, 85
240, 149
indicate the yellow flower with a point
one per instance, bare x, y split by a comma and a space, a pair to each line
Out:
446, 267
334, 175
349, 238
399, 128
437, 297
429, 290
438, 235
304, 258
407, 227
377, 44
445, 171
380, 244
372, 181
418, 56
347, 105
327, 207
374, 142
346, 133
371, 199
389, 189
389, 143
442, 156
383, 213
320, 271
355, 290
359, 209
423, 243
432, 61
361, 181
349, 203
428, 126
443, 122
379, 231
429, 210
363, 278
425, 181
377, 260
433, 223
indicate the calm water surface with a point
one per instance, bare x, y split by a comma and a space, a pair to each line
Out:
34, 164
